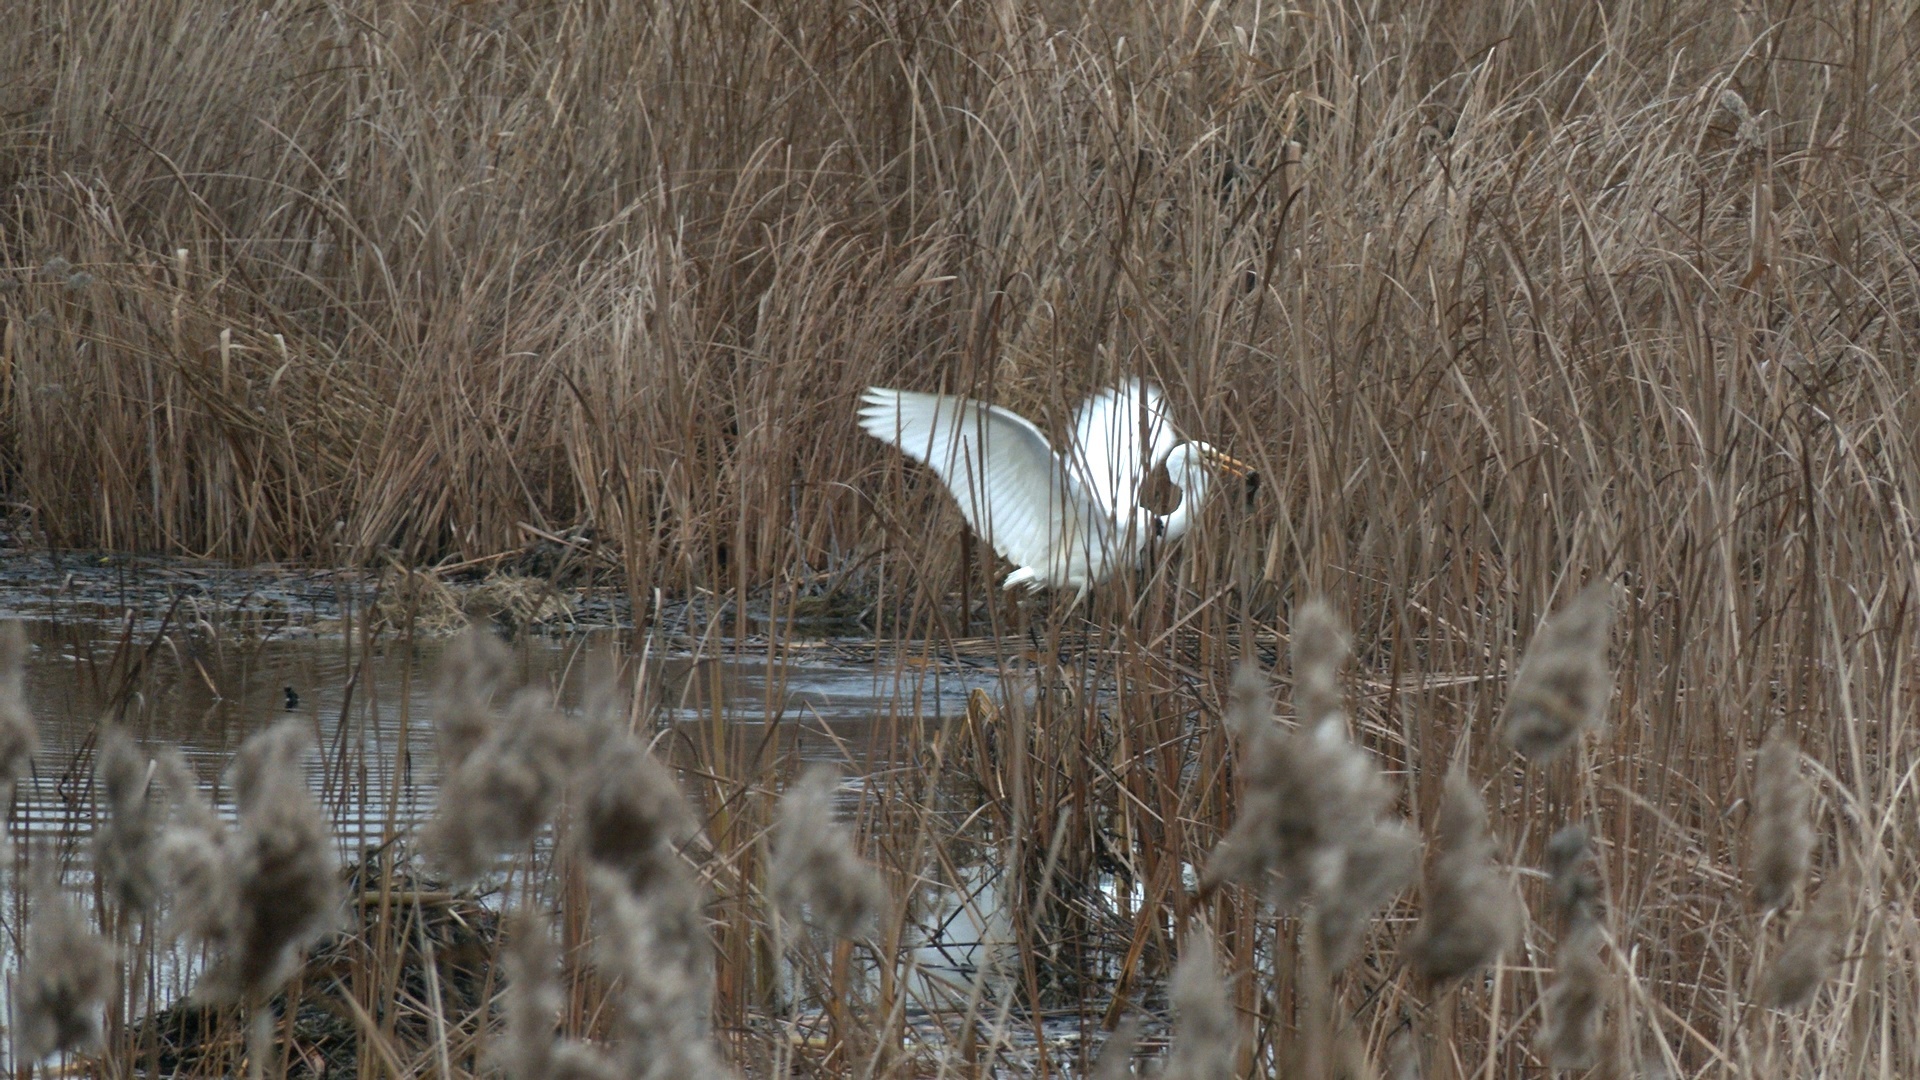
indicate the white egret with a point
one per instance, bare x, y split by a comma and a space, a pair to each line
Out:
1066, 520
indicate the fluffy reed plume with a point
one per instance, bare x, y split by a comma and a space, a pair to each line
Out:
1574, 887
1321, 644
66, 975
127, 849
1313, 823
261, 892
1206, 1035
1570, 1037
1807, 959
633, 815
1377, 865
1562, 686
1402, 1058
471, 670
650, 934
19, 738
654, 942
505, 788
1782, 833
815, 866
196, 850
1472, 912
529, 1049
1115, 1061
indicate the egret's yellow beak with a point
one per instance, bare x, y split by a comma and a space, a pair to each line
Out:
1220, 462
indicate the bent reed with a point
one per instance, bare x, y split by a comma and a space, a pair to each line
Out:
1504, 301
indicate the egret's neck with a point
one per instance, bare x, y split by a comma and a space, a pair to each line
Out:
1193, 479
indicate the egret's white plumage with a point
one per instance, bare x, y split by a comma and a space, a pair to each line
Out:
1065, 520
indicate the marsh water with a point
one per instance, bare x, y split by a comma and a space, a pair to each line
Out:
200, 657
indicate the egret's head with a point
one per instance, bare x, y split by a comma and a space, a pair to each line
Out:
1193, 464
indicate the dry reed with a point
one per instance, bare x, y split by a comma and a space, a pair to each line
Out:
1563, 683
66, 973
1782, 833
1806, 961
1472, 915
1313, 822
19, 736
1206, 1033
528, 1049
260, 893
127, 846
1573, 1005
815, 867
1496, 296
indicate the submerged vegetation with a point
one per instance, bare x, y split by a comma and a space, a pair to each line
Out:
1570, 343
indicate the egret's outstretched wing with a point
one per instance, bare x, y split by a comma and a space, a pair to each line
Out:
1119, 435
1012, 488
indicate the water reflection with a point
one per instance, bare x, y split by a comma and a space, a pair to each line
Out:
202, 674
371, 711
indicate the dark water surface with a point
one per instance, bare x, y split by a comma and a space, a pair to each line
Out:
201, 657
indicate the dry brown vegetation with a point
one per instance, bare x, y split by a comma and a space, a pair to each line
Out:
1502, 298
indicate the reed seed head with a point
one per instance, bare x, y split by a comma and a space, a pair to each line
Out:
505, 789
1576, 1000
633, 815
1249, 702
284, 873
528, 1049
1782, 833
1402, 1058
1376, 866
127, 849
1807, 959
1115, 1061
1321, 644
1473, 914
654, 942
1575, 890
19, 737
195, 851
1562, 686
471, 670
815, 865
1206, 1035
66, 976
1312, 823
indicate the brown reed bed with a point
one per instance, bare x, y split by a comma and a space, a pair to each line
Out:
1502, 300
